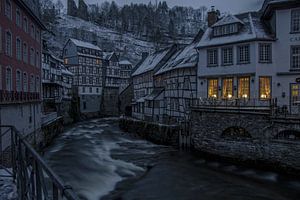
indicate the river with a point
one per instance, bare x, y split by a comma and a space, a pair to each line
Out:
102, 162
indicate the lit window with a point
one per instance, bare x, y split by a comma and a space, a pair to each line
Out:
8, 44
213, 88
18, 81
227, 88
212, 57
295, 57
243, 54
227, 56
66, 61
8, 9
25, 82
265, 88
8, 79
295, 21
265, 53
244, 87
295, 90
19, 49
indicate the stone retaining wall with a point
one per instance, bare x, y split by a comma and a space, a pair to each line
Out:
261, 147
157, 133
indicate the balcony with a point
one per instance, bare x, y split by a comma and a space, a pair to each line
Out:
10, 97
249, 105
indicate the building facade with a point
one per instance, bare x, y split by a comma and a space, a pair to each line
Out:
143, 82
84, 60
253, 57
20, 65
125, 73
111, 85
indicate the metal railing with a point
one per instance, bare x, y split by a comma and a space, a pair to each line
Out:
234, 103
34, 179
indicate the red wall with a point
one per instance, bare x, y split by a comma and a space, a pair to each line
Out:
7, 24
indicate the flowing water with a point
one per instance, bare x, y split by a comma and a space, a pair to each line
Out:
102, 162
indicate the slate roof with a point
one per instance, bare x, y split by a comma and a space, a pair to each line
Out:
252, 29
229, 19
125, 62
151, 62
107, 55
80, 43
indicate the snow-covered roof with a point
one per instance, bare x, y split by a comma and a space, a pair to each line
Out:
80, 43
125, 62
184, 57
66, 71
107, 55
151, 62
229, 19
252, 29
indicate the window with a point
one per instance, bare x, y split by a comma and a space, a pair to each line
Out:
37, 36
83, 80
37, 84
227, 56
8, 43
8, 79
25, 53
37, 59
32, 56
225, 30
97, 90
25, 24
19, 49
244, 54
31, 84
186, 83
295, 57
25, 82
83, 89
264, 88
18, 81
91, 89
18, 18
8, 9
265, 53
227, 88
295, 93
212, 57
244, 87
84, 105
295, 21
66, 61
32, 31
1, 40
90, 80
213, 88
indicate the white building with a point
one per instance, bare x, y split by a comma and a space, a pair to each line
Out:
143, 81
84, 60
252, 57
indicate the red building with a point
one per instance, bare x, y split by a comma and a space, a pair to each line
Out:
20, 64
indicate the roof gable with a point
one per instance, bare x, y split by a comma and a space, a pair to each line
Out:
229, 19
80, 43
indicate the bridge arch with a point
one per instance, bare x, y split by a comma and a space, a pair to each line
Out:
235, 132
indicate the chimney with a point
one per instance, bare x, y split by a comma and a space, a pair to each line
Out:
144, 55
212, 17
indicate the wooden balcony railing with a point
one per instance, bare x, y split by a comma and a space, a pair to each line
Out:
7, 97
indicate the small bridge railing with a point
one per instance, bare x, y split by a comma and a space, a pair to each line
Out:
34, 179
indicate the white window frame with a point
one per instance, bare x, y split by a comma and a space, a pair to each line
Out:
212, 57
243, 54
227, 56
295, 21
295, 58
265, 52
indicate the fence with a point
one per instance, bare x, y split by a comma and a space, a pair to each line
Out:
35, 180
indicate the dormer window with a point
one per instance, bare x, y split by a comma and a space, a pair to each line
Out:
225, 29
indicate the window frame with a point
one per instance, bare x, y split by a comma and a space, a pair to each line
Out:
292, 68
19, 53
259, 88
232, 55
232, 88
239, 54
19, 83
238, 87
261, 55
18, 20
292, 21
25, 82
208, 86
208, 57
11, 79
5, 9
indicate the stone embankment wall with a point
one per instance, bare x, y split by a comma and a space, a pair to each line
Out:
157, 133
248, 137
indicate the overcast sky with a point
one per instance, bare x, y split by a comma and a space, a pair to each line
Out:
232, 6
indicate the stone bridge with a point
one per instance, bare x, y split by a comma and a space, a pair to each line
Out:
248, 136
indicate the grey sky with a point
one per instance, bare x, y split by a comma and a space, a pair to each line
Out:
232, 6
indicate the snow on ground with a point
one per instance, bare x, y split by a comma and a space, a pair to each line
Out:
8, 190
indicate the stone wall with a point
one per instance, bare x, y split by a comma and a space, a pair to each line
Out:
125, 100
246, 137
110, 105
157, 133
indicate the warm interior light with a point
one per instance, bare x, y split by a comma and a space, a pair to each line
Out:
229, 96
263, 96
214, 96
245, 96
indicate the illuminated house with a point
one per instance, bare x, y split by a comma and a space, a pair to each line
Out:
253, 57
